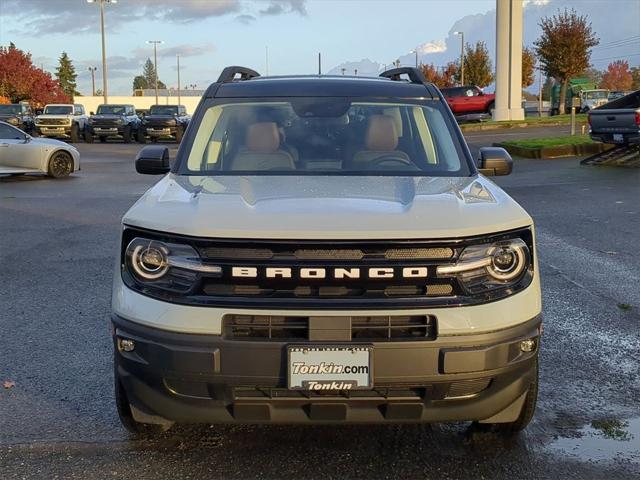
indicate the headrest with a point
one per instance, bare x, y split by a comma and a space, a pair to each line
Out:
381, 134
263, 137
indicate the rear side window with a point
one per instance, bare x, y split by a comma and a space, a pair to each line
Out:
325, 136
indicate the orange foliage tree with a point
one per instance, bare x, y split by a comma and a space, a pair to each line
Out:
618, 76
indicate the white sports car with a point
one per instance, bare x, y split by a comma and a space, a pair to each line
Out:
21, 153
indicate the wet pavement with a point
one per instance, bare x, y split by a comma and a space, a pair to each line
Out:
57, 415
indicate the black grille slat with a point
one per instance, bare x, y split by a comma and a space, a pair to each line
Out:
363, 328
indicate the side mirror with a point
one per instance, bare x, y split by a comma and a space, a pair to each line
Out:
153, 160
494, 161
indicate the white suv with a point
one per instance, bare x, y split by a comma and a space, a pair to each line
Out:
62, 120
324, 249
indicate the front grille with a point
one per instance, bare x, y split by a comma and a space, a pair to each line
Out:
54, 121
360, 328
106, 122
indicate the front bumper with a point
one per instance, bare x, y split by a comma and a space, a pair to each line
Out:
210, 379
160, 130
99, 130
54, 130
619, 139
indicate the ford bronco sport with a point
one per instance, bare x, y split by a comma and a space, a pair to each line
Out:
325, 250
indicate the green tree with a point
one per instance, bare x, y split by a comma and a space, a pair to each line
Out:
528, 67
149, 74
66, 75
564, 48
477, 66
140, 82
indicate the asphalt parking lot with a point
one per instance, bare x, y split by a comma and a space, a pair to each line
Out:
58, 419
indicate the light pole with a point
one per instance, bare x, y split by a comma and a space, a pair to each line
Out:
104, 51
93, 80
461, 56
178, 59
416, 52
155, 44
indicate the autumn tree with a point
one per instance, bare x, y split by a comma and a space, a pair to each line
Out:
618, 76
477, 66
66, 75
564, 48
21, 80
441, 78
528, 67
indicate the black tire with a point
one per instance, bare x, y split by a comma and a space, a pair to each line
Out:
88, 136
490, 107
74, 134
179, 134
126, 134
526, 414
124, 410
140, 136
60, 165
103, 139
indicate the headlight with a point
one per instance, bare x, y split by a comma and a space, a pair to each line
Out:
483, 268
119, 121
13, 121
172, 122
168, 266
38, 121
90, 121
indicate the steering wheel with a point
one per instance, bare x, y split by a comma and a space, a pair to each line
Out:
392, 158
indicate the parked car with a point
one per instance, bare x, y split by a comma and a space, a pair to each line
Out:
590, 99
164, 121
20, 153
19, 115
617, 122
113, 120
62, 120
468, 99
325, 250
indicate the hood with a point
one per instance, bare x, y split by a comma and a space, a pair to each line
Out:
326, 207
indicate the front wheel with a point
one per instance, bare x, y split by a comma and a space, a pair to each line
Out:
75, 133
490, 107
60, 165
140, 136
88, 136
126, 134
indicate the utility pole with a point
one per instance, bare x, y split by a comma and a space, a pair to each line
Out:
319, 63
461, 56
104, 49
178, 59
155, 44
266, 59
539, 88
93, 80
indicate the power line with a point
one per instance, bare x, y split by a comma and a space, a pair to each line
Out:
619, 56
621, 40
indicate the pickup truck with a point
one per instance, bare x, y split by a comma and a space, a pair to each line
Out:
617, 122
62, 120
468, 99
164, 121
113, 120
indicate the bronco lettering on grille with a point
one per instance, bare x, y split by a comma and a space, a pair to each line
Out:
321, 272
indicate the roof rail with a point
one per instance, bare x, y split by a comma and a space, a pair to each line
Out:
229, 74
414, 74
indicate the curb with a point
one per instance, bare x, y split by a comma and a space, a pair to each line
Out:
561, 151
493, 126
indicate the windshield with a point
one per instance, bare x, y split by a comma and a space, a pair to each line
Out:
112, 109
326, 136
58, 110
10, 109
597, 95
163, 110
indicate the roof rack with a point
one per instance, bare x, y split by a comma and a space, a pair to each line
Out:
414, 74
229, 74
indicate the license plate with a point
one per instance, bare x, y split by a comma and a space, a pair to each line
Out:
330, 367
618, 137
53, 129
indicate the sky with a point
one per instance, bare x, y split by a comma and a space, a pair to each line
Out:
211, 34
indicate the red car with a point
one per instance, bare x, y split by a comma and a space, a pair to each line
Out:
468, 99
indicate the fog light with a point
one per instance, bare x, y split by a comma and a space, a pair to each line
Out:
126, 345
528, 345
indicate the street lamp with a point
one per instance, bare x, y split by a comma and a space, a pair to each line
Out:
416, 52
178, 59
155, 44
461, 56
104, 54
93, 80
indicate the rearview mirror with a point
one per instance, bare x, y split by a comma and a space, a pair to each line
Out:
494, 161
153, 160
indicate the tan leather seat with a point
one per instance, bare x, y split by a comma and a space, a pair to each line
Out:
381, 142
262, 150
